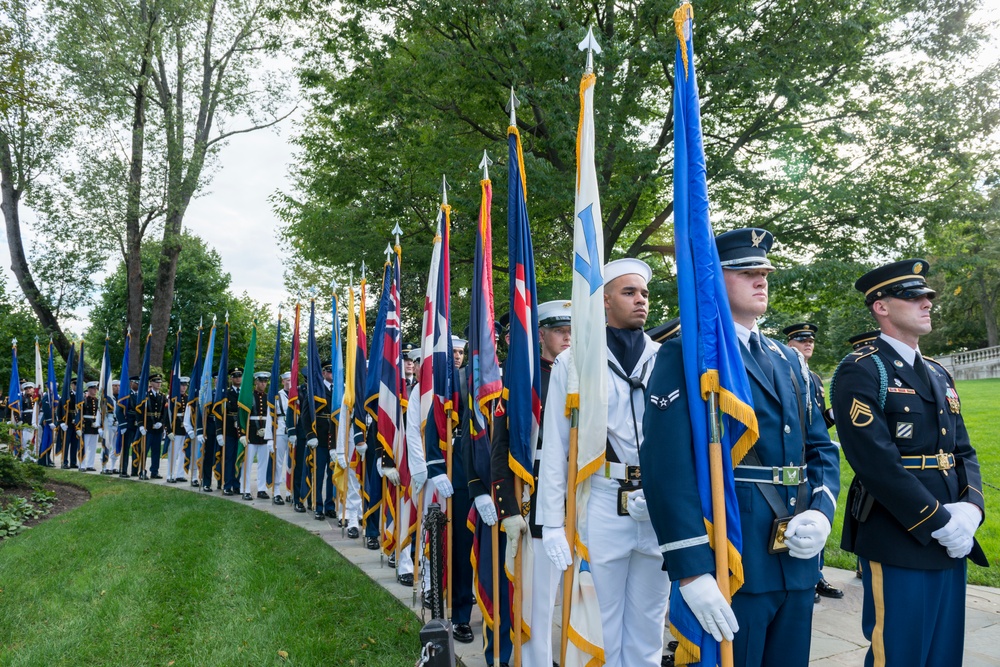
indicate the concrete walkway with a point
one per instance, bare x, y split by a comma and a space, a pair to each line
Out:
837, 639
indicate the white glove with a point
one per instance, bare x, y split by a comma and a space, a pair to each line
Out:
292, 438
63, 426
260, 433
711, 609
417, 481
391, 475
637, 506
312, 442
514, 526
270, 447
443, 485
487, 510
361, 449
200, 439
556, 547
142, 430
243, 441
957, 535
806, 534
54, 427
157, 425
341, 459
221, 440
79, 433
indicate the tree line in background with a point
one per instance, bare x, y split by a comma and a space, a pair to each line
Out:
847, 128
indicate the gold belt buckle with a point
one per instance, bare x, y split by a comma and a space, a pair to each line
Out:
943, 463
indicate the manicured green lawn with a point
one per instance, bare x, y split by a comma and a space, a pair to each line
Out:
144, 575
981, 410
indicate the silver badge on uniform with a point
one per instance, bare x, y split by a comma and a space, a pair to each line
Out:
663, 402
898, 382
904, 430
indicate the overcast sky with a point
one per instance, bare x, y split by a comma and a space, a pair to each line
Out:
236, 218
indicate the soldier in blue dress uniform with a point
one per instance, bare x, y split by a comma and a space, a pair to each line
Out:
233, 432
790, 474
916, 500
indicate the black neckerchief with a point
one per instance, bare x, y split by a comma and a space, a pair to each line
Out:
627, 345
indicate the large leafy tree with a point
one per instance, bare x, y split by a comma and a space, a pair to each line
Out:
837, 125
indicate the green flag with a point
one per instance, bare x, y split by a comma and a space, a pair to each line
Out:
245, 399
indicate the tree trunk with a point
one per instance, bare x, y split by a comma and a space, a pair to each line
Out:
11, 197
988, 302
163, 294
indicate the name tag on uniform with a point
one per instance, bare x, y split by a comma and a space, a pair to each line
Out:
900, 390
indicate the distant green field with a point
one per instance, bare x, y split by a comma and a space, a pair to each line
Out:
981, 409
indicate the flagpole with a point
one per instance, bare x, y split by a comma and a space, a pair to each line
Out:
518, 600
719, 513
574, 434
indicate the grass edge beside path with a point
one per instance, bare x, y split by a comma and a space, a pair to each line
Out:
147, 575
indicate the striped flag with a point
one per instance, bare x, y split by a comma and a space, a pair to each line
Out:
142, 394
14, 389
336, 361
390, 411
373, 483
244, 401
711, 352
63, 413
192, 451
275, 385
174, 392
587, 388
78, 393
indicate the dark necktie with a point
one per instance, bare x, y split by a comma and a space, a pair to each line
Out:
758, 354
921, 370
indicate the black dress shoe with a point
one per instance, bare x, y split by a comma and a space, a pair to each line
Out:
406, 580
263, 495
195, 482
123, 475
300, 508
91, 469
392, 559
278, 501
462, 633
247, 496
171, 480
816, 599
227, 492
134, 474
288, 498
143, 476
371, 543
155, 476
207, 489
826, 590
353, 533
319, 516
309, 506
333, 515
180, 479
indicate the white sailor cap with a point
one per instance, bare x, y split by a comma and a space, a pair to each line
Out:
554, 313
92, 384
414, 354
27, 385
184, 379
623, 267
457, 342
287, 375
262, 375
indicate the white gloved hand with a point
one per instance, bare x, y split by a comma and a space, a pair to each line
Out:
556, 547
54, 427
292, 439
513, 526
710, 608
361, 449
261, 433
417, 481
806, 534
487, 510
637, 506
221, 440
391, 475
200, 439
443, 485
158, 425
243, 441
142, 430
957, 535
79, 433
341, 459
63, 426
312, 442
270, 447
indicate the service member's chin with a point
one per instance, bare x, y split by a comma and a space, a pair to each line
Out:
910, 316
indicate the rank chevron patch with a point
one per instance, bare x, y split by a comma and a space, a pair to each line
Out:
861, 414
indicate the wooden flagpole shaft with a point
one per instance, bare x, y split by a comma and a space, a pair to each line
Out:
495, 533
448, 505
343, 501
719, 514
396, 529
381, 520
574, 434
418, 551
517, 603
225, 414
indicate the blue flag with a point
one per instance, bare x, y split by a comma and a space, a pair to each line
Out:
712, 360
205, 394
374, 377
14, 391
219, 402
337, 359
275, 386
124, 392
62, 414
315, 387
142, 395
175, 380
52, 394
78, 393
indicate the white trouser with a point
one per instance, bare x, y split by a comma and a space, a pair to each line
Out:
175, 456
26, 447
89, 450
110, 433
546, 582
631, 588
353, 498
261, 454
280, 456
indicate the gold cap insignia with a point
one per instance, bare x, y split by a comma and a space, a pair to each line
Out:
918, 267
